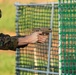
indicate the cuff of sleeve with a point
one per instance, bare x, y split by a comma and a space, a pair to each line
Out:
14, 43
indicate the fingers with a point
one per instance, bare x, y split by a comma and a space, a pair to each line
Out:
42, 38
36, 37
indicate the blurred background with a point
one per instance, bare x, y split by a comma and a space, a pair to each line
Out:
7, 26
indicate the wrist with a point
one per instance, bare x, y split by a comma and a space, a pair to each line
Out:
27, 39
22, 41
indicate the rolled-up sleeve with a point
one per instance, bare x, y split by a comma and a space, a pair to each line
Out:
7, 42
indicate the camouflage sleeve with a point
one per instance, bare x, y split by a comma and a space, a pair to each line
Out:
8, 42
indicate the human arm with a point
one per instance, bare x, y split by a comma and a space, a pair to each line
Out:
8, 42
33, 38
13, 42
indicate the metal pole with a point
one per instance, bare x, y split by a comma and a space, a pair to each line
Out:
17, 34
38, 71
50, 39
60, 72
18, 4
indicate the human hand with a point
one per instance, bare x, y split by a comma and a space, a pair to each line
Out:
34, 37
42, 38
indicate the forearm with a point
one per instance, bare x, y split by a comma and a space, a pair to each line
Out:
11, 42
22, 42
8, 42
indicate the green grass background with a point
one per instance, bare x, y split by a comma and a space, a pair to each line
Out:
7, 22
7, 63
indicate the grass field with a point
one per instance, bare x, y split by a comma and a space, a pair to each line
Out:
7, 22
7, 63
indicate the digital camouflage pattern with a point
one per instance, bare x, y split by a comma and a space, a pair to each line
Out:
7, 42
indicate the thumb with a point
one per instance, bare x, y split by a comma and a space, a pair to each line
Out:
39, 32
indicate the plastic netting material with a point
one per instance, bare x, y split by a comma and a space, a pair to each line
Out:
34, 59
67, 11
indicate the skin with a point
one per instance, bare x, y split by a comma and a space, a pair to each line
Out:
33, 38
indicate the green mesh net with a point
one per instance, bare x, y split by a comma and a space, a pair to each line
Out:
67, 12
